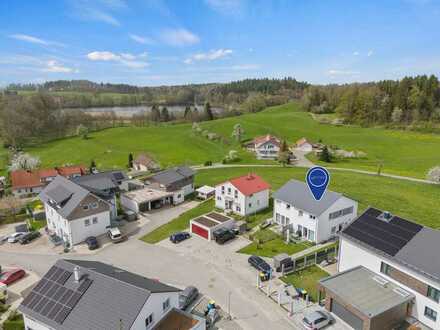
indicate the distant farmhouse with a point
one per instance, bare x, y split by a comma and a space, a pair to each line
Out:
265, 147
144, 163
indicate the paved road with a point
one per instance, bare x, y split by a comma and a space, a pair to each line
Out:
215, 275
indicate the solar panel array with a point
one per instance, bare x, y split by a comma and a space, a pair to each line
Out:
217, 216
52, 299
389, 237
118, 176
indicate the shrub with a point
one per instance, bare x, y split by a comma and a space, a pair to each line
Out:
208, 163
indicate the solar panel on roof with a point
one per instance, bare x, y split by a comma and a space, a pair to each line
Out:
59, 293
73, 300
410, 226
62, 314
52, 291
45, 311
63, 278
46, 287
54, 311
118, 176
66, 296
57, 274
34, 301
40, 285
51, 271
28, 299
84, 285
38, 307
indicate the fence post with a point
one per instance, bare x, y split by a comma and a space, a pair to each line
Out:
316, 257
282, 270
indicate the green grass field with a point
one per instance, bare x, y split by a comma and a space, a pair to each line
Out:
403, 153
415, 201
307, 279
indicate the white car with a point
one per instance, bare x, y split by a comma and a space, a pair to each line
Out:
317, 320
115, 235
13, 238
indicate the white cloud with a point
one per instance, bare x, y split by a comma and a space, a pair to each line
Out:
370, 53
141, 40
55, 67
227, 7
179, 37
97, 10
356, 53
334, 72
126, 59
214, 54
34, 40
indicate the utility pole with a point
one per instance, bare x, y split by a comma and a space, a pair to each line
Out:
229, 305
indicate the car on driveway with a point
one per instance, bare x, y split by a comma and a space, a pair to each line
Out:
29, 237
259, 264
115, 235
11, 276
187, 296
92, 243
13, 238
179, 237
223, 235
317, 320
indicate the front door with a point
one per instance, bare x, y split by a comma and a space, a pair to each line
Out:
305, 232
229, 205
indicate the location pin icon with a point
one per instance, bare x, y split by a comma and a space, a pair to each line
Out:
317, 179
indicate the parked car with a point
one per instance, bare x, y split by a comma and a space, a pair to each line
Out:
259, 264
115, 235
12, 276
29, 237
187, 296
317, 320
223, 235
179, 237
13, 238
92, 243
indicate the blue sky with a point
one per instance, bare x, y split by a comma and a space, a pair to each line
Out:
156, 42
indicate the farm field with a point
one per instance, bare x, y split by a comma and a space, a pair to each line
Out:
402, 153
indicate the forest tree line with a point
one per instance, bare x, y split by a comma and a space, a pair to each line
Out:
400, 103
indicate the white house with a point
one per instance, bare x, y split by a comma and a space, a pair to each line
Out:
265, 147
303, 145
80, 294
400, 251
73, 213
244, 195
296, 209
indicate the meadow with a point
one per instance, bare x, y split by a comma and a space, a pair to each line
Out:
401, 152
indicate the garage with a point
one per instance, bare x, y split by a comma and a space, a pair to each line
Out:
145, 199
205, 225
354, 321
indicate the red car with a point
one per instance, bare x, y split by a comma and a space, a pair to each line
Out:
11, 276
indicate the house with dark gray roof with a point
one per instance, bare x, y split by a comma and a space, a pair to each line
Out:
403, 252
179, 180
74, 213
297, 211
80, 294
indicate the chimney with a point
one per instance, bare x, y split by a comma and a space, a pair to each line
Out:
387, 215
249, 176
76, 274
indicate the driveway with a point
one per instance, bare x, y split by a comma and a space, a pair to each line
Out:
301, 159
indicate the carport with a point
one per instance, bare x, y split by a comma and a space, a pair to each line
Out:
365, 300
145, 199
205, 225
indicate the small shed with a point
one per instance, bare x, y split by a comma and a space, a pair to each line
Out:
145, 199
205, 192
281, 260
205, 225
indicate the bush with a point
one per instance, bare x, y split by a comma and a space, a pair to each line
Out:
208, 163
14, 322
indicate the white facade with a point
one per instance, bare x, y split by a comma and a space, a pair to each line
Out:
267, 150
315, 228
306, 147
352, 255
76, 231
227, 197
30, 323
23, 192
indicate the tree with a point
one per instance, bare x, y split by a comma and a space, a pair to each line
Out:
283, 155
208, 112
82, 131
165, 115
396, 116
325, 155
130, 160
23, 161
238, 132
434, 174
92, 167
155, 113
187, 113
11, 204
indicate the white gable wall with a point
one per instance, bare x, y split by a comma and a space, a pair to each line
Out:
267, 150
79, 231
154, 305
30, 323
352, 255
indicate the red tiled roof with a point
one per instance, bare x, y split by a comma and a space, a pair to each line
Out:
25, 179
71, 170
302, 141
249, 184
46, 173
265, 138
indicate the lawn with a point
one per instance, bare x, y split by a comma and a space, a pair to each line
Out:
256, 219
401, 152
415, 201
179, 224
270, 244
308, 279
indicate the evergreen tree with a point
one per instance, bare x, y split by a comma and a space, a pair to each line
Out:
165, 116
325, 155
155, 113
208, 112
187, 113
92, 167
130, 160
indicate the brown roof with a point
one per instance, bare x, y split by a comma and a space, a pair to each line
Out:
206, 222
143, 159
25, 179
218, 217
302, 141
71, 170
47, 173
266, 138
176, 320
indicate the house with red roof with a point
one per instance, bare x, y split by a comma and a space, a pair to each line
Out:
265, 147
244, 195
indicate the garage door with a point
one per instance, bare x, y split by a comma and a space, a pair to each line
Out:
199, 231
347, 316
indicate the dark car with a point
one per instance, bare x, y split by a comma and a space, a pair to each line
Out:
29, 237
259, 264
92, 243
179, 237
223, 235
187, 296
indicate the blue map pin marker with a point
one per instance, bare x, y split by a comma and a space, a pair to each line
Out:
317, 179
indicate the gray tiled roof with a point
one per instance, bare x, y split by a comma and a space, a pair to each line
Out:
172, 175
113, 300
297, 193
101, 181
65, 193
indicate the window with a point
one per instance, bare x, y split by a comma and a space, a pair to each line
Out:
341, 213
287, 206
219, 198
166, 304
333, 230
223, 189
385, 268
312, 216
149, 320
94, 205
433, 293
235, 193
277, 218
430, 313
311, 235
85, 207
250, 204
95, 220
87, 222
229, 190
237, 208
300, 213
